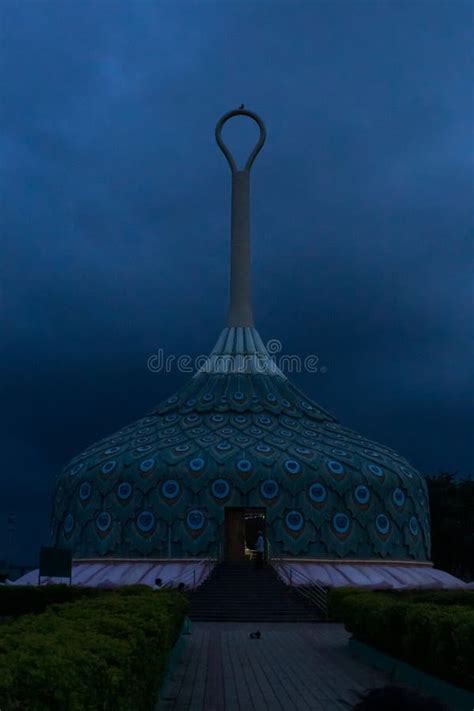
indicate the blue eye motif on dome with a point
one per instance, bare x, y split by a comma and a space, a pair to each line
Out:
244, 465
103, 521
375, 469
362, 494
264, 420
112, 450
85, 491
144, 448
170, 489
195, 520
223, 446
108, 467
197, 464
341, 522
285, 403
413, 525
208, 397
271, 397
182, 448
239, 396
292, 466
171, 400
294, 520
147, 464
76, 469
240, 419
318, 493
269, 489
68, 523
303, 450
264, 448
398, 497
191, 402
145, 521
220, 489
382, 524
124, 490
335, 467
171, 418
217, 418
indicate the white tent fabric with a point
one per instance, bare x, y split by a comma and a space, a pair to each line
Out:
375, 576
117, 573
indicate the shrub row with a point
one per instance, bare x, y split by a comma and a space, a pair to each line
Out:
437, 638
25, 599
107, 652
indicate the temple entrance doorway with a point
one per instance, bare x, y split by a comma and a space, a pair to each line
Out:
241, 529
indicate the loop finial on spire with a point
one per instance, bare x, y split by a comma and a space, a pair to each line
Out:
240, 308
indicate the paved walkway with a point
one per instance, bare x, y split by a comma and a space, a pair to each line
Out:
293, 666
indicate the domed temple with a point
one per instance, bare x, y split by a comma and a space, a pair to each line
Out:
240, 448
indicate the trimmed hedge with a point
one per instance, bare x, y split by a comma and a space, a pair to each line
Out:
25, 599
108, 652
438, 638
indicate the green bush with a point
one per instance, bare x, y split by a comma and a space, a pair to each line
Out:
107, 652
435, 637
24, 599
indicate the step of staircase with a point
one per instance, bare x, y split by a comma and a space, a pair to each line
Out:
240, 592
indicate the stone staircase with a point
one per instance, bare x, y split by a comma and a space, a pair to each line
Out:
240, 592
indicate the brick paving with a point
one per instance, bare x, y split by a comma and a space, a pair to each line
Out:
293, 666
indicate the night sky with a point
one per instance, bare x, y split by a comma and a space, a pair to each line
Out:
115, 216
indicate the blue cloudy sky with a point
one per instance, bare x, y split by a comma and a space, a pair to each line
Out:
115, 215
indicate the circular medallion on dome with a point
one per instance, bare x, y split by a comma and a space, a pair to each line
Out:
76, 469
191, 402
124, 490
239, 396
244, 465
240, 419
406, 472
375, 469
265, 420
108, 467
112, 450
145, 521
223, 446
256, 431
285, 403
294, 520
263, 448
292, 466
398, 497
220, 489
85, 491
144, 448
269, 489
318, 493
382, 523
68, 523
181, 448
362, 494
227, 431
103, 521
335, 467
271, 397
217, 418
413, 525
304, 450
147, 464
195, 520
341, 522
171, 418
192, 418
197, 464
208, 397
170, 489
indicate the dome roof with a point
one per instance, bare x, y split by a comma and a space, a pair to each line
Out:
240, 434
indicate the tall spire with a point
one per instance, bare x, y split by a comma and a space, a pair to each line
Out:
240, 307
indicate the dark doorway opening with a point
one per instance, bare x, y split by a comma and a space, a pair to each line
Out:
241, 529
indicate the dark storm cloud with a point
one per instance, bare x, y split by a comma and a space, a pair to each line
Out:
115, 204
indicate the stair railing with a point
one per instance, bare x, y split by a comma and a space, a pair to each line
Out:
188, 577
302, 584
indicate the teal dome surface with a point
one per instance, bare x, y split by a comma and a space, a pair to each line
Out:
240, 434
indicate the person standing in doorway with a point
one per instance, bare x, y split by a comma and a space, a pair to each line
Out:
260, 549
